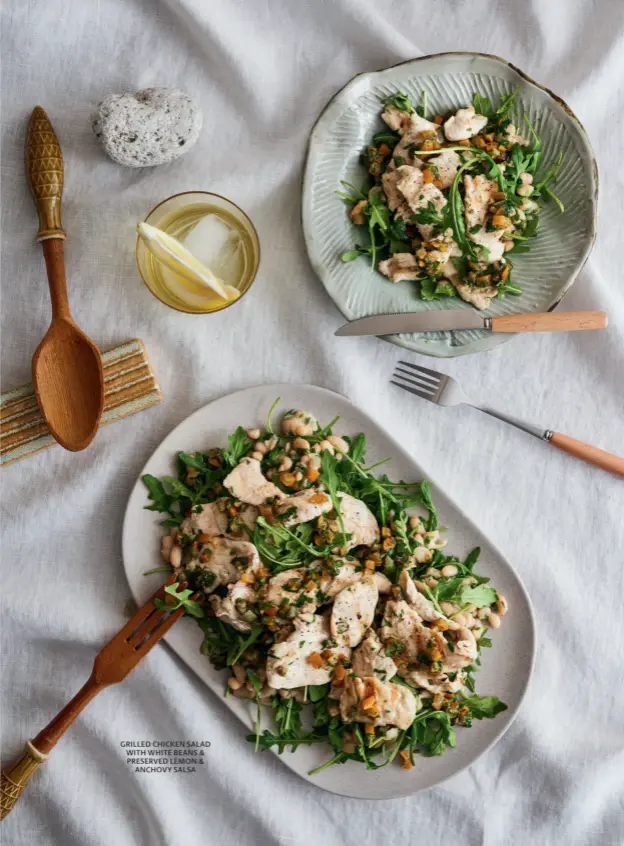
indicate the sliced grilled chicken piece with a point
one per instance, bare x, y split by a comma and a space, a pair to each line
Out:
297, 661
370, 659
247, 483
354, 610
369, 700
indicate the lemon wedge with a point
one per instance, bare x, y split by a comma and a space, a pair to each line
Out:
174, 255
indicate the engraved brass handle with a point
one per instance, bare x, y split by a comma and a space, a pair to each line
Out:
44, 173
14, 779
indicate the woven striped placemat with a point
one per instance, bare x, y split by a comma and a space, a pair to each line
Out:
129, 386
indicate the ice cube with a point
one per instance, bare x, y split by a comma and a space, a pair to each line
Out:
212, 242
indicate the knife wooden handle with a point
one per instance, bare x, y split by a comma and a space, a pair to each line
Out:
550, 321
593, 455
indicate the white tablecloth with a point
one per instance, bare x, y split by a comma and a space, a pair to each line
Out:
261, 72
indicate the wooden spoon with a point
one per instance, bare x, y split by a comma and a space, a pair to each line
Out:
67, 366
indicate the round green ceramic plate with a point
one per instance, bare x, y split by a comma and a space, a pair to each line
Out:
449, 80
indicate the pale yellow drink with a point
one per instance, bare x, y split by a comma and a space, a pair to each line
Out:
183, 216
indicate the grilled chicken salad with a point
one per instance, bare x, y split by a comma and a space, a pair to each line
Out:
325, 591
450, 201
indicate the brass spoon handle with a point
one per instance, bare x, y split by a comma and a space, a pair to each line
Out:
44, 173
15, 777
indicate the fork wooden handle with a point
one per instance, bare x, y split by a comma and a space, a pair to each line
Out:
599, 457
550, 321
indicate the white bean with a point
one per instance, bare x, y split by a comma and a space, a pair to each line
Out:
253, 434
449, 570
301, 443
448, 608
257, 455
176, 556
338, 442
493, 621
261, 447
166, 545
233, 683
422, 555
415, 522
501, 606
326, 446
285, 464
461, 619
271, 443
314, 462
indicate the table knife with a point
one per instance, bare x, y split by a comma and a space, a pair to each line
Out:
444, 320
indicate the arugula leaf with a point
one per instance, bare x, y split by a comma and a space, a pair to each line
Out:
484, 707
503, 111
269, 425
428, 214
287, 714
182, 599
482, 105
267, 739
402, 102
427, 501
239, 445
196, 461
161, 500
350, 255
316, 692
357, 449
179, 489
330, 478
242, 644
479, 595
386, 137
254, 678
472, 558
422, 107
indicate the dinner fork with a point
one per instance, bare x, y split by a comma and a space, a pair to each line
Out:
444, 390
111, 665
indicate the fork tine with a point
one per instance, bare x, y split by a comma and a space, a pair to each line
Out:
433, 373
144, 611
146, 626
159, 631
416, 380
412, 391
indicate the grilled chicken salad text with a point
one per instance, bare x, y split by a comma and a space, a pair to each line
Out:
449, 201
321, 586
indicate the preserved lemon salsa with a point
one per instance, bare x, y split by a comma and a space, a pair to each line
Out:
197, 252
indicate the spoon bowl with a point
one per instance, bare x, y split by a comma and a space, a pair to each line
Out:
68, 380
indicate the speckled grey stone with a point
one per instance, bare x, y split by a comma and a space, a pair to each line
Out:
150, 127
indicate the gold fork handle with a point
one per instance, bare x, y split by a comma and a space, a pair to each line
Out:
14, 778
36, 752
45, 174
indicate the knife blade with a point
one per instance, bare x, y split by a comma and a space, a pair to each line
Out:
445, 320
421, 321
